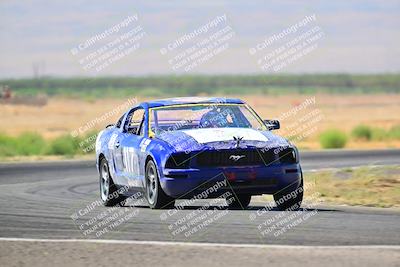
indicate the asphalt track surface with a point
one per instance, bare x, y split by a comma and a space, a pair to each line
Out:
38, 201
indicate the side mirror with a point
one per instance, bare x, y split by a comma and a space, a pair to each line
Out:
110, 125
272, 124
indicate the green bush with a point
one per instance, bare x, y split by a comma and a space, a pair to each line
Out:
87, 143
30, 144
394, 132
379, 134
333, 139
362, 132
7, 146
63, 145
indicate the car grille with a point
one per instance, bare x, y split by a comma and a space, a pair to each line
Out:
222, 158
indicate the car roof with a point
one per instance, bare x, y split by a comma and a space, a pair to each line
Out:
192, 100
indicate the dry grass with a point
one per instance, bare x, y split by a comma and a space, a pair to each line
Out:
344, 112
366, 186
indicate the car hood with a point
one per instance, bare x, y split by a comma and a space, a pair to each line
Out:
221, 138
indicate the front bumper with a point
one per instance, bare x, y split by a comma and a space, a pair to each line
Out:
255, 180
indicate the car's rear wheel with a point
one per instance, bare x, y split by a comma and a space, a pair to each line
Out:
108, 190
155, 195
290, 199
239, 201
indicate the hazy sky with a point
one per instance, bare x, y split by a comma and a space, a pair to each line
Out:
358, 36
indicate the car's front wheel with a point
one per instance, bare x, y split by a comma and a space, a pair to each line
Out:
108, 190
155, 195
290, 199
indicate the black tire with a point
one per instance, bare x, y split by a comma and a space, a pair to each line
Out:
285, 201
155, 195
239, 202
110, 197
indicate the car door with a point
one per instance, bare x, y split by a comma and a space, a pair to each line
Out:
129, 148
114, 151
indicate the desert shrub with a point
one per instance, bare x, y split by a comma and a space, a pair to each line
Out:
88, 142
379, 134
394, 132
63, 145
333, 139
362, 132
29, 143
8, 146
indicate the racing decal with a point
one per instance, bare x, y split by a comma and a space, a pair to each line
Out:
131, 160
207, 135
143, 145
98, 142
112, 140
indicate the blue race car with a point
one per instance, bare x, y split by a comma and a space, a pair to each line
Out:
185, 148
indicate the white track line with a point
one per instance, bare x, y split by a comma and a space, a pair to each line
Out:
193, 244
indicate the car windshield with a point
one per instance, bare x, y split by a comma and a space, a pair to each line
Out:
183, 117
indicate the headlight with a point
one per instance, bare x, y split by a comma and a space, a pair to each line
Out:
289, 155
296, 154
178, 161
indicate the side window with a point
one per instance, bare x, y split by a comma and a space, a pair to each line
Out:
141, 129
119, 122
135, 122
